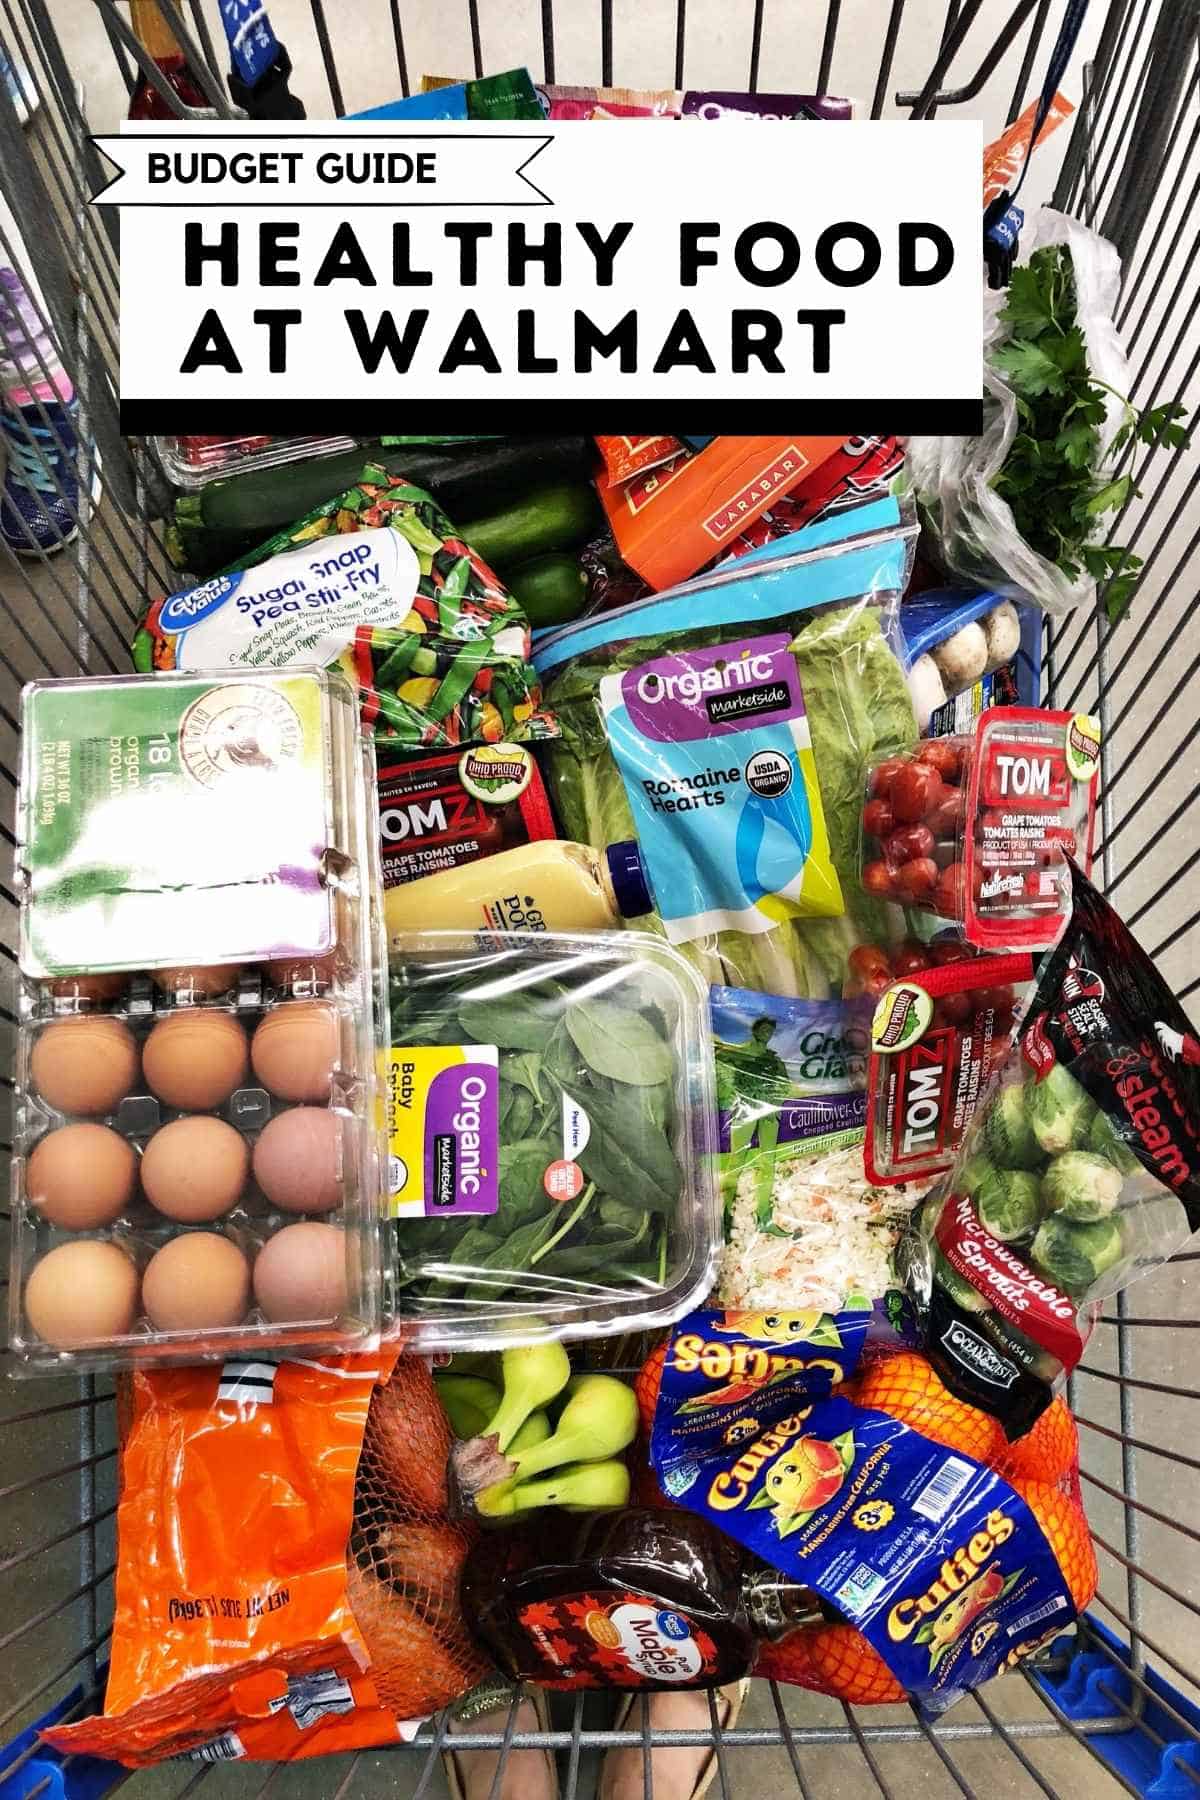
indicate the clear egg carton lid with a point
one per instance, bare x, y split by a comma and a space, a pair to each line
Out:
215, 819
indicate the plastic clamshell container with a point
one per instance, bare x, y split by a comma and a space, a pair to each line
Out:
607, 1182
192, 462
260, 989
977, 827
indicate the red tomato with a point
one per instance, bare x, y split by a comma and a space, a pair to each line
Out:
869, 959
945, 757
884, 774
907, 843
949, 898
878, 819
877, 879
917, 879
997, 1000
872, 984
946, 818
910, 958
952, 1009
950, 950
916, 792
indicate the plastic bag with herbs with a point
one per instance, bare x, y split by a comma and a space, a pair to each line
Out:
832, 587
1054, 372
1080, 1171
377, 583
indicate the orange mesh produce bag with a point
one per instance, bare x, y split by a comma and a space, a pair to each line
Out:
287, 1578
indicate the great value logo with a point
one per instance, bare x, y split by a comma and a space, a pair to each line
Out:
184, 610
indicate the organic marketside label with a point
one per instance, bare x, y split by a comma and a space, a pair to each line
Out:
442, 1107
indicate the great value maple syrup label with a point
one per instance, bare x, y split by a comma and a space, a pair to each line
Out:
617, 1640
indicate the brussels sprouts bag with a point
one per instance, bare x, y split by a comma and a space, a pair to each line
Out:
1080, 1171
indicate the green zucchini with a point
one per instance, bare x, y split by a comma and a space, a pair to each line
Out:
463, 478
550, 589
552, 518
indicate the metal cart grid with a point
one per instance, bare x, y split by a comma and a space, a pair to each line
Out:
1132, 168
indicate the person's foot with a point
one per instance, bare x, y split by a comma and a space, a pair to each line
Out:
42, 495
528, 1774
679, 1774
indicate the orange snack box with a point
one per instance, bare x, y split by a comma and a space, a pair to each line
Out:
669, 521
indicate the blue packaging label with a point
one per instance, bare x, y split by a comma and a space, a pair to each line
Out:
936, 1560
787, 1069
714, 749
252, 44
728, 1376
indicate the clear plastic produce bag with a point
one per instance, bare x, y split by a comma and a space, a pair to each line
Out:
953, 477
1079, 1172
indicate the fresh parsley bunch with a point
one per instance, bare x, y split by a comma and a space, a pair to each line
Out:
1052, 477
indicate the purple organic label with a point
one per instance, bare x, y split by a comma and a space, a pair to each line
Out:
712, 693
724, 105
799, 1120
462, 1140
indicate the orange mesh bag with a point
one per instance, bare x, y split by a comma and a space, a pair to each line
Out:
277, 1595
406, 1555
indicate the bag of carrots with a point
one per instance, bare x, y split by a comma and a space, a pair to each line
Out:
287, 1576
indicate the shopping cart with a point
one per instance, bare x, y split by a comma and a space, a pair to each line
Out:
1115, 1705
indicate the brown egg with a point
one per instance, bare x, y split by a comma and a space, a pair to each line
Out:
85, 1064
195, 1060
294, 1050
88, 989
298, 1160
195, 1169
81, 1293
198, 1282
309, 974
81, 1176
205, 983
300, 1273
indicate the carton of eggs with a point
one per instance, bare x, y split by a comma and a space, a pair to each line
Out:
192, 1171
198, 1148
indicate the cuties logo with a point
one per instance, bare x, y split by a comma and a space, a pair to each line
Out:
967, 1584
745, 1368
803, 1474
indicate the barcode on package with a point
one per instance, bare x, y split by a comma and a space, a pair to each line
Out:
943, 1489
310, 1697
226, 1748
1035, 1618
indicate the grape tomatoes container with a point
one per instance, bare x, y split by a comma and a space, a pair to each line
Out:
976, 828
937, 1036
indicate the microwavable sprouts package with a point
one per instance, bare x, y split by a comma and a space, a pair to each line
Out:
1080, 1171
793, 643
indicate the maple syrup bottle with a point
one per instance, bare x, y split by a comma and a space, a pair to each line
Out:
158, 40
647, 1598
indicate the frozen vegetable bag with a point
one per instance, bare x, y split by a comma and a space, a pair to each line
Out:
812, 614
1085, 1159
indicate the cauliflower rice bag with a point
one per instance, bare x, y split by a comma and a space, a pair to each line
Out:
1079, 1172
805, 1230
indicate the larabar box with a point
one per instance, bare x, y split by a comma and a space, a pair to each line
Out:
438, 812
674, 519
